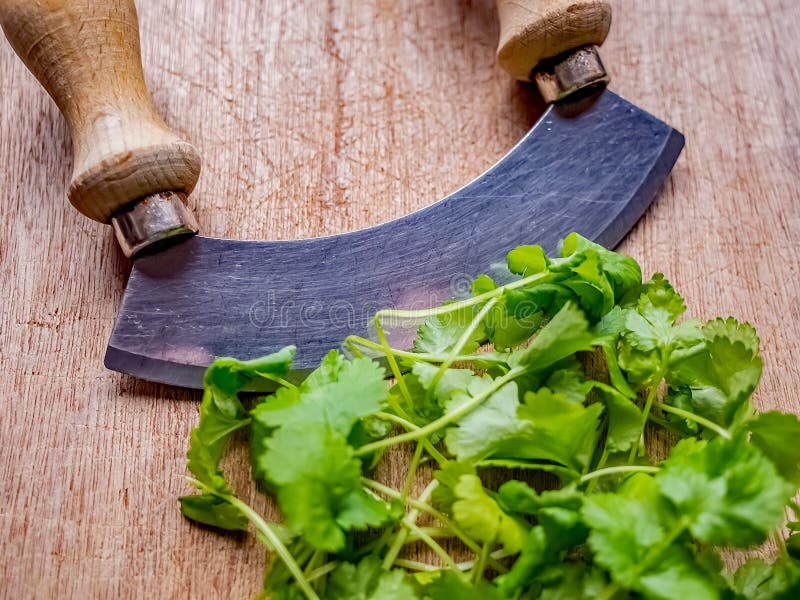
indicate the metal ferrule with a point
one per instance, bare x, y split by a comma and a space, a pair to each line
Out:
571, 72
154, 221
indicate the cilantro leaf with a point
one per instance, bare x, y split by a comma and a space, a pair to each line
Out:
318, 483
213, 511
481, 517
623, 272
624, 418
559, 528
222, 414
628, 539
493, 428
450, 585
721, 379
335, 395
527, 260
551, 415
566, 333
729, 492
503, 428
368, 581
758, 580
439, 334
777, 435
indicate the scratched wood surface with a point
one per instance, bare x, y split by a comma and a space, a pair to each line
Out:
315, 118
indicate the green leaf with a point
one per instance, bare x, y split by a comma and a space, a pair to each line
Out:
221, 414
533, 555
450, 585
318, 483
448, 475
728, 490
777, 435
367, 581
624, 418
213, 511
758, 580
723, 376
563, 431
565, 334
526, 260
481, 517
628, 539
658, 297
492, 429
559, 528
439, 334
335, 395
622, 271
546, 427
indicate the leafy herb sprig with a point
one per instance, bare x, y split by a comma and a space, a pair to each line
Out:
587, 361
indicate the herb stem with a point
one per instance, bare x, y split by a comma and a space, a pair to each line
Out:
412, 473
621, 469
409, 426
442, 518
277, 379
415, 565
480, 566
601, 463
455, 306
432, 544
419, 356
651, 396
444, 420
462, 341
387, 349
708, 424
264, 529
408, 524
323, 570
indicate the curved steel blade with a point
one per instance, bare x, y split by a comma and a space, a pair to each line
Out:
593, 169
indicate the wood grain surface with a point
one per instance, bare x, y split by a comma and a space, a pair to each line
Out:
315, 118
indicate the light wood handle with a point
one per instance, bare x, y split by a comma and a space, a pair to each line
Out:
534, 30
86, 55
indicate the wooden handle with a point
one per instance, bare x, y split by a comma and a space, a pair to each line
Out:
86, 55
534, 30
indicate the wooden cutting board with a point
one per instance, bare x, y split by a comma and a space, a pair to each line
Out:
315, 118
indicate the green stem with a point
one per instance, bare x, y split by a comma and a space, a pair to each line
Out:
276, 379
599, 467
415, 565
462, 341
409, 426
721, 431
666, 425
434, 532
780, 543
651, 396
480, 566
610, 591
419, 356
442, 518
444, 420
264, 529
455, 306
493, 558
432, 544
615, 470
409, 520
395, 368
323, 570
412, 472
